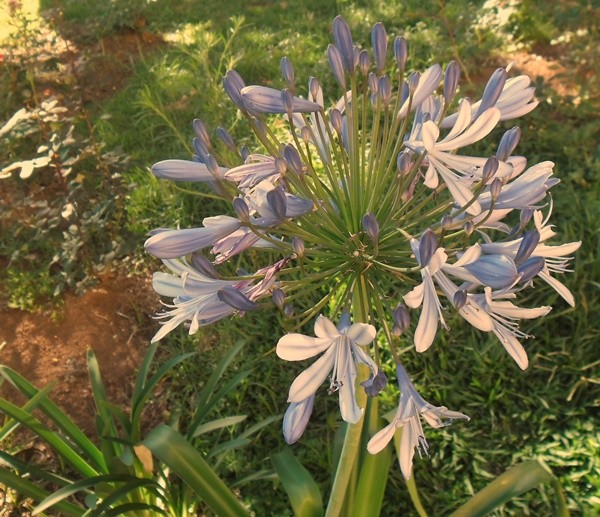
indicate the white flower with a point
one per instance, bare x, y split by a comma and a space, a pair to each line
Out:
341, 352
410, 408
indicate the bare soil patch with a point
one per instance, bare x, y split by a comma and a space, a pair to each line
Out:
112, 319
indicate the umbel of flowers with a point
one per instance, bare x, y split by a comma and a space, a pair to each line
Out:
374, 205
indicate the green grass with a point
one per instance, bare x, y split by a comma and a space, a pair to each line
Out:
547, 412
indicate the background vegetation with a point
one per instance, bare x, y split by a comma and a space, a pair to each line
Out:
91, 200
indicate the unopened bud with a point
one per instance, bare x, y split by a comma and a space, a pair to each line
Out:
287, 71
401, 320
278, 298
508, 143
495, 188
280, 165
526, 215
379, 40
336, 65
201, 133
298, 246
314, 87
335, 116
277, 202
427, 247
225, 137
413, 82
204, 266
404, 163
371, 226
287, 100
528, 244
385, 90
446, 222
492, 91
289, 311
293, 160
211, 165
233, 84
469, 228
374, 385
489, 169
451, 80
306, 134
343, 41
241, 209
400, 52
244, 152
530, 268
460, 299
373, 82
233, 297
364, 62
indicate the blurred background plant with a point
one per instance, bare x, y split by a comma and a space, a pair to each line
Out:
548, 413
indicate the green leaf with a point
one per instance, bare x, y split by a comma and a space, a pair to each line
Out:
134, 508
58, 417
118, 494
219, 424
178, 454
26, 468
513, 482
140, 380
26, 488
301, 488
70, 455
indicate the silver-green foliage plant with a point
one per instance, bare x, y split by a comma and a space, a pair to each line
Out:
375, 205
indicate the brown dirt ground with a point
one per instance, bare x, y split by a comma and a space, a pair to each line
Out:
112, 319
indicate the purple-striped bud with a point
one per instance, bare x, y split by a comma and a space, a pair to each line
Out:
400, 52
225, 137
379, 40
413, 82
427, 247
526, 215
364, 62
385, 90
404, 163
508, 143
336, 65
292, 158
212, 165
495, 188
401, 320
528, 244
200, 150
314, 87
244, 153
530, 268
343, 41
306, 134
287, 99
298, 246
280, 165
277, 202
460, 299
337, 121
287, 71
492, 91
451, 80
496, 271
241, 209
370, 226
204, 266
234, 298
233, 84
278, 298
469, 228
489, 169
296, 419
201, 133
289, 311
373, 83
262, 99
446, 222
405, 93
356, 54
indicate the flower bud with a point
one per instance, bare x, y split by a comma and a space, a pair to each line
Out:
292, 158
314, 87
280, 165
526, 215
451, 80
528, 244
200, 150
401, 320
244, 152
212, 165
202, 133
375, 384
277, 202
489, 169
364, 62
370, 226
287, 71
400, 52
343, 41
336, 65
492, 91
427, 247
225, 137
469, 228
446, 222
278, 297
404, 162
379, 40
413, 82
335, 116
306, 134
460, 299
495, 188
233, 297
385, 90
296, 419
298, 246
289, 311
204, 266
373, 82
287, 99
508, 143
233, 84
241, 209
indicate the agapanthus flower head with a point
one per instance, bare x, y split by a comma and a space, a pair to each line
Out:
367, 197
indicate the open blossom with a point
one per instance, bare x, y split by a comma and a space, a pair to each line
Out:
411, 408
341, 352
359, 205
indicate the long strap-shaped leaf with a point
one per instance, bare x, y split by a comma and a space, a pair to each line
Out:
70, 455
26, 488
58, 417
178, 454
513, 482
301, 488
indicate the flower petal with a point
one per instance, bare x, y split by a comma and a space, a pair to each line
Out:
310, 379
381, 438
324, 328
361, 333
296, 347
